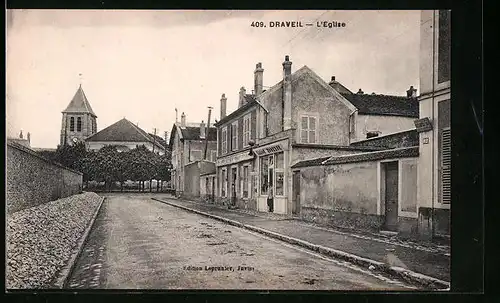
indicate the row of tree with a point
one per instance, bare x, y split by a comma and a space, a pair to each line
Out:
110, 166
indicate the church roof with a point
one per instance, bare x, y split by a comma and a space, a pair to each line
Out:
79, 104
123, 130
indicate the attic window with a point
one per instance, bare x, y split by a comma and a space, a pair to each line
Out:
371, 135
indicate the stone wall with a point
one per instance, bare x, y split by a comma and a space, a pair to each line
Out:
407, 138
33, 180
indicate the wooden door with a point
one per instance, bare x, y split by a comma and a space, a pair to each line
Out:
391, 196
296, 193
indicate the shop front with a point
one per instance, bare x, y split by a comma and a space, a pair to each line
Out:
272, 195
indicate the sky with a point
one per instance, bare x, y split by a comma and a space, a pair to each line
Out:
141, 65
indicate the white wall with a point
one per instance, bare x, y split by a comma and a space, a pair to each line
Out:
384, 124
122, 145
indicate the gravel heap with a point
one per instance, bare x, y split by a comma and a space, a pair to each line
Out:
41, 239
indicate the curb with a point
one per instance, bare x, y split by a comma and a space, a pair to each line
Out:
63, 279
398, 272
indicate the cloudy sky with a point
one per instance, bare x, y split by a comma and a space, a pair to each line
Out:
143, 64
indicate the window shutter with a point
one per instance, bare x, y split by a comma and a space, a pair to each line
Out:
446, 166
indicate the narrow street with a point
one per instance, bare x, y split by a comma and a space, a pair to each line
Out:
139, 243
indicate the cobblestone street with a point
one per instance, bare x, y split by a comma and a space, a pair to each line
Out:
139, 243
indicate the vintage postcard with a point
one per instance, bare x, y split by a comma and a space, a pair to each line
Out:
228, 149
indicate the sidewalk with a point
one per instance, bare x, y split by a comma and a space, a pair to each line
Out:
420, 260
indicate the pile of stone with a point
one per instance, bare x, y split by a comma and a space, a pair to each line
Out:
42, 239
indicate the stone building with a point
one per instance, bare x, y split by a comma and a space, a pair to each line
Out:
125, 135
187, 143
299, 118
434, 127
78, 119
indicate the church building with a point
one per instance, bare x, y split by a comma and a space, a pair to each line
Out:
79, 120
79, 124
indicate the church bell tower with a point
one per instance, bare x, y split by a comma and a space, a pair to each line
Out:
78, 120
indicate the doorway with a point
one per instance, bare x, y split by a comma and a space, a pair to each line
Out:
234, 175
296, 193
391, 195
272, 193
212, 196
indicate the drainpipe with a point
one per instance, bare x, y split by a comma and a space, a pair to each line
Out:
266, 113
433, 119
350, 117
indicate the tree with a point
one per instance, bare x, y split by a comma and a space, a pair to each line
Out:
69, 155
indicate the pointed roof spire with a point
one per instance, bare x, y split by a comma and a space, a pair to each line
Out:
79, 103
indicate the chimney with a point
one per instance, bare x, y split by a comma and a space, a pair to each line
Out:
243, 92
258, 79
202, 130
287, 93
360, 92
223, 104
183, 120
28, 137
411, 93
21, 134
334, 84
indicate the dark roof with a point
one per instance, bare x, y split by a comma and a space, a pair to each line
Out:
122, 130
250, 101
79, 104
193, 133
405, 138
158, 139
362, 157
337, 147
310, 162
371, 104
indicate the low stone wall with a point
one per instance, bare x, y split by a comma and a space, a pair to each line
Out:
33, 179
352, 220
41, 240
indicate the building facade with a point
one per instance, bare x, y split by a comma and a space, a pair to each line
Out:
299, 118
125, 135
78, 120
187, 143
434, 168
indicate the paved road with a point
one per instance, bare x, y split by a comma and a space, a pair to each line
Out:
139, 243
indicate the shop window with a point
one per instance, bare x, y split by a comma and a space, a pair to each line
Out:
279, 183
264, 178
279, 160
223, 182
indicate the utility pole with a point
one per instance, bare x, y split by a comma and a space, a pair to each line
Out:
206, 133
166, 135
154, 142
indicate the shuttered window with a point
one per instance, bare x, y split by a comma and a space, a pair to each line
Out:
446, 165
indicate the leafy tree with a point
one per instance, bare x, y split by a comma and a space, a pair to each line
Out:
69, 155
